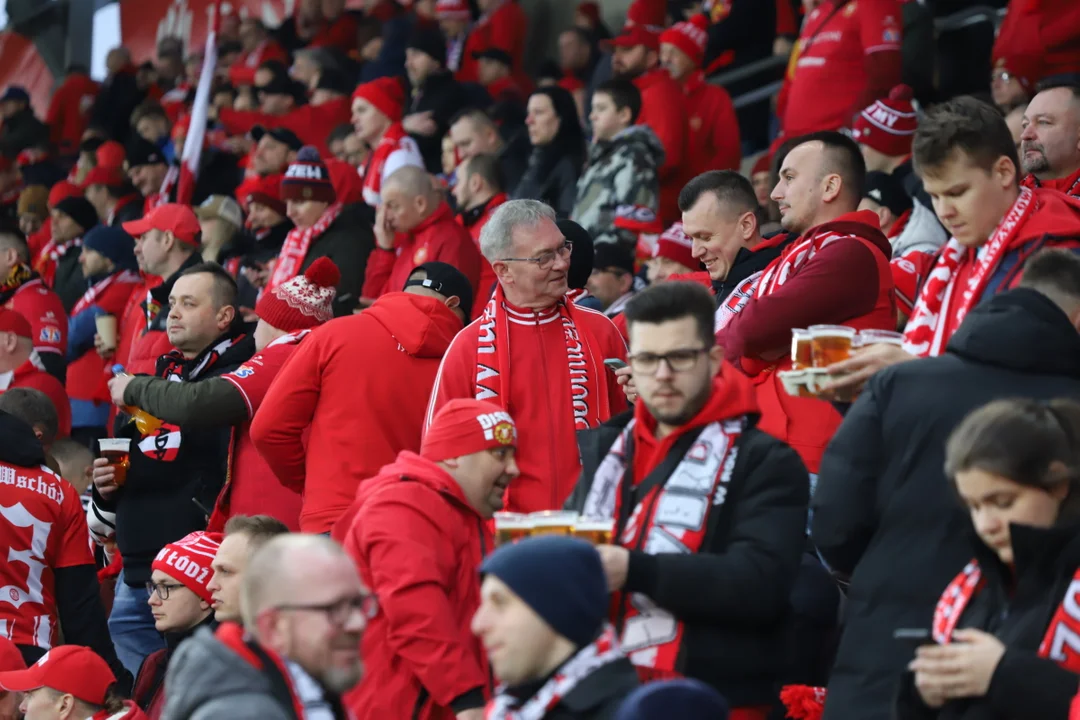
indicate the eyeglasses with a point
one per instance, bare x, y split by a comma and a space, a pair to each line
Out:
545, 260
677, 361
162, 589
338, 612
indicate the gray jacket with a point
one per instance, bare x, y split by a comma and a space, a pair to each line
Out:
208, 681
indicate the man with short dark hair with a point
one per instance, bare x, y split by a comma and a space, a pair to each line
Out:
244, 535
21, 128
885, 515
72, 217
112, 195
275, 149
435, 96
612, 278
705, 595
475, 133
152, 125
1050, 141
478, 191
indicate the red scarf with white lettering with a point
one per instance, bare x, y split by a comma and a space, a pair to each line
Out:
958, 279
603, 651
1054, 646
95, 290
670, 518
588, 396
297, 244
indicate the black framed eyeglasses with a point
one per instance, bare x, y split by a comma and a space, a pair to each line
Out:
338, 611
162, 589
546, 259
677, 360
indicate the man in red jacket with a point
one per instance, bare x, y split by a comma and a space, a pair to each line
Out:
478, 191
421, 533
377, 109
534, 354
20, 367
1050, 143
414, 225
713, 128
69, 110
388, 355
663, 107
23, 291
502, 24
837, 273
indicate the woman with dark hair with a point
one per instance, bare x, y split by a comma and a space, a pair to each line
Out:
558, 150
1005, 636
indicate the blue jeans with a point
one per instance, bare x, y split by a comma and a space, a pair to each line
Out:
131, 625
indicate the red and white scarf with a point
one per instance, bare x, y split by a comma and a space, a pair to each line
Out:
670, 518
49, 257
1062, 636
603, 651
395, 150
588, 394
957, 282
297, 244
95, 290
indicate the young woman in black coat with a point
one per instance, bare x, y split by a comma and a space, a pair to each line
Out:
558, 150
1006, 632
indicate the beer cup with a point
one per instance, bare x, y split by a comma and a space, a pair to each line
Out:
511, 527
878, 337
117, 452
830, 344
552, 522
598, 531
106, 330
802, 355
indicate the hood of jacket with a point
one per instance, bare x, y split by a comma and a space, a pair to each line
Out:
422, 325
1056, 215
18, 444
417, 469
635, 141
862, 224
1020, 329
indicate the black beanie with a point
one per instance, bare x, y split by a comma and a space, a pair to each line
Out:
80, 210
428, 39
581, 253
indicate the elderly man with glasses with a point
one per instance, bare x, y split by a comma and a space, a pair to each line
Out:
534, 354
709, 511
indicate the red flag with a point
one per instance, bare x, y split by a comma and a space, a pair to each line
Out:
193, 144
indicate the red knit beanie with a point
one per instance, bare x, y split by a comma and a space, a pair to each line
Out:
303, 301
62, 190
466, 426
888, 126
676, 245
265, 190
386, 94
187, 561
762, 165
307, 178
690, 37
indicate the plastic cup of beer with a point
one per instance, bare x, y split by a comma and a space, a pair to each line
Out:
830, 344
106, 330
552, 522
880, 337
802, 355
117, 452
598, 531
511, 527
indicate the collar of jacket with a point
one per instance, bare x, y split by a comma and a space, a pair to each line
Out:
442, 212
471, 217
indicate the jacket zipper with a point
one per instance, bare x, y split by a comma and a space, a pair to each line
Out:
421, 701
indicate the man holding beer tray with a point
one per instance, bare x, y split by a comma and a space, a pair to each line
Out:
421, 532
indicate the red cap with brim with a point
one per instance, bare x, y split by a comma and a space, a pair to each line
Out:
68, 669
101, 175
180, 220
634, 36
13, 321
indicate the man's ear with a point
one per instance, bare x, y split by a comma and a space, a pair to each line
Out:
748, 225
716, 359
831, 187
453, 302
226, 315
502, 272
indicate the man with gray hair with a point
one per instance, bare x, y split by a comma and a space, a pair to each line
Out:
304, 611
414, 225
535, 354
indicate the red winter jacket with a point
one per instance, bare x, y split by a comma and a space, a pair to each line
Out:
31, 375
131, 711
713, 127
664, 109
507, 28
437, 238
69, 112
86, 377
487, 274
311, 123
418, 544
1069, 185
1043, 32
388, 355
137, 348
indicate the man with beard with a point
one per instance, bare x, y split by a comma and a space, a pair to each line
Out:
421, 531
305, 611
703, 572
275, 149
663, 107
1050, 141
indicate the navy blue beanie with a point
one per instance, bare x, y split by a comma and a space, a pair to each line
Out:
684, 699
560, 578
113, 243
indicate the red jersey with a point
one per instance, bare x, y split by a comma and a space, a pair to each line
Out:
829, 76
251, 488
42, 527
45, 313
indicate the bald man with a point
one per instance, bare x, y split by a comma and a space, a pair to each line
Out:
414, 225
304, 611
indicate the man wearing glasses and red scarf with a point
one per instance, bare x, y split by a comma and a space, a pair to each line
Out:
534, 354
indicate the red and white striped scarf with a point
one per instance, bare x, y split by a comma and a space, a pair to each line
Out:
603, 651
49, 257
95, 290
297, 244
680, 510
393, 140
958, 279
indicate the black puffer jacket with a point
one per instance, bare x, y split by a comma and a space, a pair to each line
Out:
348, 242
883, 511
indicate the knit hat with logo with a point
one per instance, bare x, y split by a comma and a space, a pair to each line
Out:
303, 301
187, 561
387, 95
307, 178
466, 426
888, 125
690, 36
674, 244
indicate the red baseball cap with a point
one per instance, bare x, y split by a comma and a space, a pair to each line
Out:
10, 657
180, 220
635, 35
13, 322
69, 669
102, 175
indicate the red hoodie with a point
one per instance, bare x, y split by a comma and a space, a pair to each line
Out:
664, 109
713, 128
505, 28
388, 355
418, 544
69, 112
32, 375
